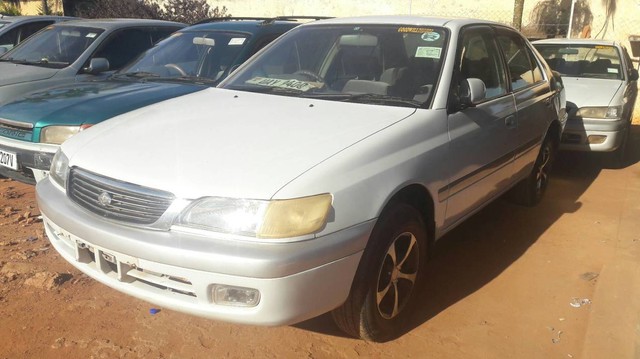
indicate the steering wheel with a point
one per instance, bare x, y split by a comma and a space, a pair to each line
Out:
309, 75
177, 68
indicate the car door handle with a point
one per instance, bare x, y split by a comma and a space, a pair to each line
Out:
510, 121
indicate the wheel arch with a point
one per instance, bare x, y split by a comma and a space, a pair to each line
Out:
418, 197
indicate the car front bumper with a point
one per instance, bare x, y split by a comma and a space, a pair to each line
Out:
34, 159
296, 281
593, 135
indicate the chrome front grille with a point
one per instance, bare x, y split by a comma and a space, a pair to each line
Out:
117, 200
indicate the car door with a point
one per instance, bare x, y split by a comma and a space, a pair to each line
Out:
482, 137
532, 93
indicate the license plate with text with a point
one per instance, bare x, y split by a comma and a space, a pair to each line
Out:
8, 159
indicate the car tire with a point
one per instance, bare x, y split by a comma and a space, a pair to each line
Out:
530, 190
385, 288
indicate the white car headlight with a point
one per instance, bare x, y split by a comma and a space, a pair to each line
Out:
600, 112
258, 218
58, 134
60, 169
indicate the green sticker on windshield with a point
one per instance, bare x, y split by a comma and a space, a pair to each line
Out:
428, 52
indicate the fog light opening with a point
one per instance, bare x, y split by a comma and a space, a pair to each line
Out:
235, 296
596, 139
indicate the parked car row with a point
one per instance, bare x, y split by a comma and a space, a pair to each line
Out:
192, 59
313, 177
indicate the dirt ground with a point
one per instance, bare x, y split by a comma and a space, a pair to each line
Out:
556, 281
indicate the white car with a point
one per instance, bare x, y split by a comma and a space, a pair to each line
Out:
601, 86
317, 179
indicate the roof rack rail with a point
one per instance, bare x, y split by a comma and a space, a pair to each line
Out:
265, 20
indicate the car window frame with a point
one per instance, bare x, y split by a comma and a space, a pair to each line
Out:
530, 52
453, 103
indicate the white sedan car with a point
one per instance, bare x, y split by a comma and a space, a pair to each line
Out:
317, 179
601, 86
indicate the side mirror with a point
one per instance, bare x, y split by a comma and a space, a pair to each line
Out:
97, 65
3, 50
634, 75
472, 92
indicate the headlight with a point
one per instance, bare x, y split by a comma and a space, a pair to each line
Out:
259, 218
60, 169
58, 134
599, 112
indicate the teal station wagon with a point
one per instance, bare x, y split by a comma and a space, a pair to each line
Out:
190, 60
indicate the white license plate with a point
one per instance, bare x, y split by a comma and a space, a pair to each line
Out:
8, 159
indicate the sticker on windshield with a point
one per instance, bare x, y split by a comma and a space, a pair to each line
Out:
281, 83
237, 41
91, 35
428, 52
414, 30
612, 70
430, 36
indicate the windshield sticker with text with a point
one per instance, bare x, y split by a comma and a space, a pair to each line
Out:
428, 52
281, 83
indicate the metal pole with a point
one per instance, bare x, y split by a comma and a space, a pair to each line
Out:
573, 5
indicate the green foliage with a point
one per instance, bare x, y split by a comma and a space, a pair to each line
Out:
191, 11
7, 8
187, 11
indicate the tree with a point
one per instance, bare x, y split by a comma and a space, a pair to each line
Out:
9, 8
187, 11
143, 9
551, 17
191, 11
518, 8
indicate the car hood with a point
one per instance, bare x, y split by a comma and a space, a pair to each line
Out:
16, 73
590, 92
90, 102
227, 143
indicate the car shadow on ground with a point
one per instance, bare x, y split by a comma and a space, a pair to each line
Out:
485, 245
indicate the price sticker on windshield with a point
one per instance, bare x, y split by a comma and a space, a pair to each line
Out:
429, 52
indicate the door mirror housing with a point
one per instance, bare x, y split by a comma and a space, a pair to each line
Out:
3, 50
97, 65
472, 92
634, 75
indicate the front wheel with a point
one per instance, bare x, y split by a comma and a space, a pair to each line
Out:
384, 291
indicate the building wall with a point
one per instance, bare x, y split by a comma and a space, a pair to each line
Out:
33, 7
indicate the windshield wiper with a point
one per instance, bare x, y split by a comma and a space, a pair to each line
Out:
381, 99
41, 62
189, 79
137, 74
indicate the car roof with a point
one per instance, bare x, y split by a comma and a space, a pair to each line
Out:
110, 24
564, 41
17, 19
250, 25
404, 20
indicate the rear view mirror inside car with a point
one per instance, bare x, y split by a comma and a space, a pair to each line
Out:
568, 51
358, 40
204, 41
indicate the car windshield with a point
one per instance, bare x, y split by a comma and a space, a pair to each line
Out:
191, 56
55, 46
376, 64
577, 60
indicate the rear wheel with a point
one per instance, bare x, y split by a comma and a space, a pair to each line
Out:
384, 291
530, 190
